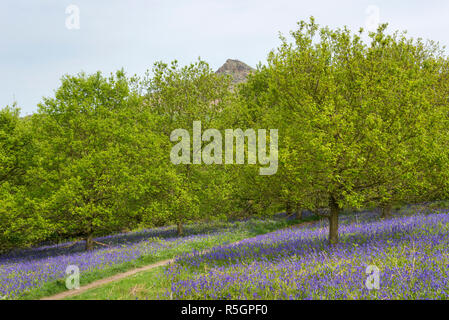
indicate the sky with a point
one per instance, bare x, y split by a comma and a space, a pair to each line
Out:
42, 40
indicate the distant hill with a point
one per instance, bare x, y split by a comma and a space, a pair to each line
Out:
235, 68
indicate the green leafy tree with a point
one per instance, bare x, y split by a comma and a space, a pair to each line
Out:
15, 143
99, 161
20, 225
180, 96
352, 117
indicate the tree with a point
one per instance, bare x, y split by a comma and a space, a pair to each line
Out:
99, 159
19, 224
180, 96
15, 142
354, 117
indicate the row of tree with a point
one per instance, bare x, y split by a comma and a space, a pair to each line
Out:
360, 124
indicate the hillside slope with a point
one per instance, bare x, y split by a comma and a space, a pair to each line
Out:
238, 70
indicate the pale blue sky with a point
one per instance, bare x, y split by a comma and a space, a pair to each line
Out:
36, 48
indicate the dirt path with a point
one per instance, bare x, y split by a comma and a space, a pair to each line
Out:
120, 276
104, 281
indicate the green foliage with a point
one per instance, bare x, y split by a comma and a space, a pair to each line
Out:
17, 226
15, 143
99, 157
353, 118
360, 125
179, 96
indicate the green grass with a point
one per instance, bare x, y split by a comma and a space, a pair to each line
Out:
243, 230
147, 285
58, 286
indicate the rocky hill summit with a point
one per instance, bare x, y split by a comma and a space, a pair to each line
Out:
235, 68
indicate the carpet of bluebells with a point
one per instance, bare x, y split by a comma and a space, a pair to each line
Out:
411, 252
26, 269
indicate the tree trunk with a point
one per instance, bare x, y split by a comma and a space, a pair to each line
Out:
89, 242
333, 221
298, 212
249, 208
288, 208
386, 211
180, 229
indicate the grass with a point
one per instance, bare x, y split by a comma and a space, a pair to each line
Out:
58, 286
243, 230
148, 285
410, 252
153, 284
